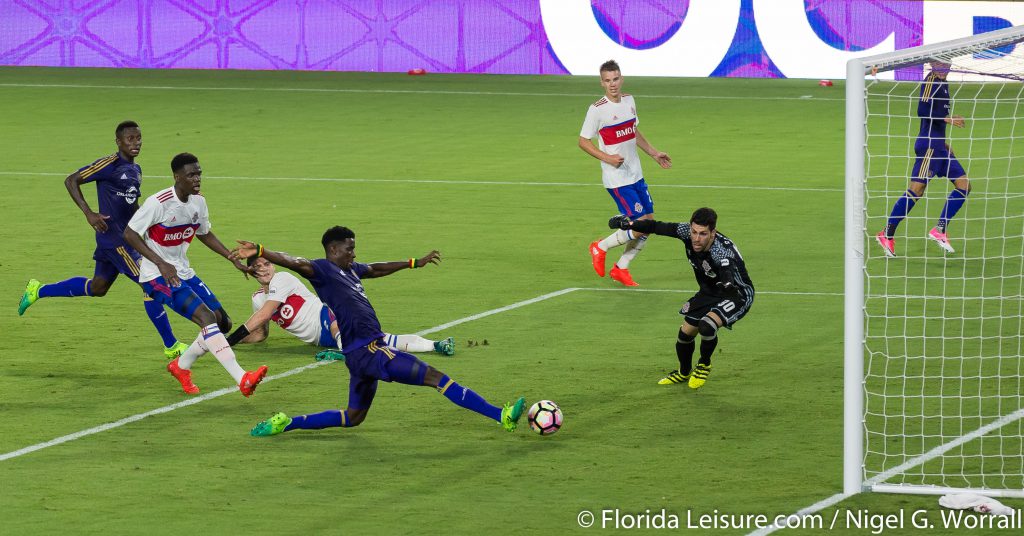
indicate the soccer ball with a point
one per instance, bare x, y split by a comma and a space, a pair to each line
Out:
545, 417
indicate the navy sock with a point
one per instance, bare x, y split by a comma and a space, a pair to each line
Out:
467, 398
331, 418
155, 311
684, 351
956, 199
69, 288
900, 210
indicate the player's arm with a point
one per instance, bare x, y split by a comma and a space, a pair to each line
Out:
298, 265
145, 218
645, 226
589, 148
663, 159
74, 184
211, 241
255, 328
381, 269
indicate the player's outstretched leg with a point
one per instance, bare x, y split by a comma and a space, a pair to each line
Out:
511, 413
272, 426
30, 295
332, 418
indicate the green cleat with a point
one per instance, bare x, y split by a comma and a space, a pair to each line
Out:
445, 347
329, 355
175, 350
511, 413
272, 426
30, 296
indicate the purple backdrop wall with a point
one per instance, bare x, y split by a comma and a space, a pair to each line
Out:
469, 36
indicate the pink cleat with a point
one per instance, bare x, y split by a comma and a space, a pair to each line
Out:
597, 257
888, 244
941, 239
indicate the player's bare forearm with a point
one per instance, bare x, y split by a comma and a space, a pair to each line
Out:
298, 265
211, 241
381, 269
663, 159
258, 334
74, 185
589, 148
135, 241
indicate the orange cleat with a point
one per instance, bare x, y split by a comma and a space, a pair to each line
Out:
622, 276
183, 376
597, 256
250, 380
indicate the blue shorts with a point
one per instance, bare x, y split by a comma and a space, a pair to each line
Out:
184, 299
633, 200
326, 319
935, 162
113, 261
377, 361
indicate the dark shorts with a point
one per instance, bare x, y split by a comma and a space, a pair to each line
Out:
378, 362
935, 162
633, 200
184, 299
729, 308
113, 261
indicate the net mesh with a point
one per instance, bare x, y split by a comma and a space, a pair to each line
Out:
944, 332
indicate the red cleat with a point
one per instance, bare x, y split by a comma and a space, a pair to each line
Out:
250, 380
183, 376
622, 276
597, 256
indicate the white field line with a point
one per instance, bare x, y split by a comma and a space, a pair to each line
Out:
228, 390
448, 181
809, 98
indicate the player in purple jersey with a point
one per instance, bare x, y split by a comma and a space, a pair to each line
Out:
118, 181
337, 280
934, 158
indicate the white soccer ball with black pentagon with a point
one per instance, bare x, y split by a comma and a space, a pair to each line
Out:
545, 417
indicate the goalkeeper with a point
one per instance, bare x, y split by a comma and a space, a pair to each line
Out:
934, 158
726, 292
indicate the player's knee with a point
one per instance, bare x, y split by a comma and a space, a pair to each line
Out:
356, 416
708, 328
223, 321
204, 316
685, 338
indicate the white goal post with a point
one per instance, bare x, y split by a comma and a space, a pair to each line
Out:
934, 341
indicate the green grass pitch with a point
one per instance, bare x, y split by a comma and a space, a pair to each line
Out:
485, 169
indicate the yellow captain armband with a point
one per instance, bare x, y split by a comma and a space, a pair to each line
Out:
259, 250
412, 263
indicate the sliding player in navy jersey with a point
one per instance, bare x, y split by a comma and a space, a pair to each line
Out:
169, 220
726, 292
934, 158
337, 280
118, 181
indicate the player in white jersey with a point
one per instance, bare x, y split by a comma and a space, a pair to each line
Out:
283, 299
614, 118
169, 220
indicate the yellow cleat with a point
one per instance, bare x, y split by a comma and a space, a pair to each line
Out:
673, 378
176, 350
699, 376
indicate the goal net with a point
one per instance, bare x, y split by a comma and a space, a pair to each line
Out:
935, 338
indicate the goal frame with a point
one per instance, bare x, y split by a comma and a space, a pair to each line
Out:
854, 312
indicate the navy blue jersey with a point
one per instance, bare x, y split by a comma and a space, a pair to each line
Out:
342, 291
118, 183
933, 109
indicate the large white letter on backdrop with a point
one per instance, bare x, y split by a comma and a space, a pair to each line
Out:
695, 50
796, 50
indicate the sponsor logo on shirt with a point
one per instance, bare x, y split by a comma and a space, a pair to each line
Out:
622, 132
173, 236
287, 311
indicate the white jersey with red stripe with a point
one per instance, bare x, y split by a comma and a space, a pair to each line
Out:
167, 226
299, 312
615, 123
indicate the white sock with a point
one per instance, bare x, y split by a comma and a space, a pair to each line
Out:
414, 343
632, 249
615, 239
218, 345
194, 352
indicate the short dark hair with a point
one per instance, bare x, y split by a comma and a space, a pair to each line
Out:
336, 234
610, 66
181, 160
123, 126
706, 217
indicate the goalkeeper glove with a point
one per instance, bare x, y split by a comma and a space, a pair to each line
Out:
619, 221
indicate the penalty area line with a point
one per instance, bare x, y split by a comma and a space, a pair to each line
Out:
227, 390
